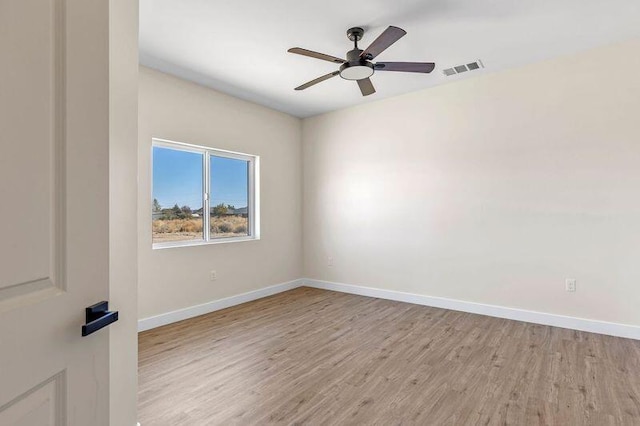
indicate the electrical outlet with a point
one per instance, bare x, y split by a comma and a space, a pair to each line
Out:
213, 275
570, 284
329, 261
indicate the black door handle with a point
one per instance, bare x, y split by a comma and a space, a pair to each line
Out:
97, 317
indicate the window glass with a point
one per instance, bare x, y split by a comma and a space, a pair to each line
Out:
229, 193
177, 210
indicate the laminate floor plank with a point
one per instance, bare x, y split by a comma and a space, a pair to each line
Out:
316, 357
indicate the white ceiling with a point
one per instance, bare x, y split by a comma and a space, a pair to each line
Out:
240, 47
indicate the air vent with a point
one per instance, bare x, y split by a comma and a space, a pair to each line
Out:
459, 69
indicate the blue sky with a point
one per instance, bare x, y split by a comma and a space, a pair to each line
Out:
229, 181
177, 179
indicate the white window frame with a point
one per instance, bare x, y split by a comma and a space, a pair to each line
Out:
253, 202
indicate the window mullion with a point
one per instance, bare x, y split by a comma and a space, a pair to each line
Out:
206, 198
250, 191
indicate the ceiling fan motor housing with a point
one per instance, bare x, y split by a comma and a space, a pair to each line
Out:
356, 68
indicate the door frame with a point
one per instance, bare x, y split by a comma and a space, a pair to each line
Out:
123, 201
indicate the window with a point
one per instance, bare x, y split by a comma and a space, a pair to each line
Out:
202, 195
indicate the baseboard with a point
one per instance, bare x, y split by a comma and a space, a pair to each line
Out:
215, 305
573, 323
592, 326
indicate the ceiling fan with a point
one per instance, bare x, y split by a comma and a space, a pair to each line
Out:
358, 65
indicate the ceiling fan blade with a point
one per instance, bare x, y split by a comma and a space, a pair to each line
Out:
312, 54
317, 80
366, 87
424, 67
384, 40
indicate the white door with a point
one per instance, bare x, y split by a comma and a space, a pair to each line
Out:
54, 142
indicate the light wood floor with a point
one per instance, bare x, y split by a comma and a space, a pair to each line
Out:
310, 356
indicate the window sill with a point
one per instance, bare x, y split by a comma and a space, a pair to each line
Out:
177, 244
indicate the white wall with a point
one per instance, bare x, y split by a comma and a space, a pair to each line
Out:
177, 278
491, 190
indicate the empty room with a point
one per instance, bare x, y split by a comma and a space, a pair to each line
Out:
398, 212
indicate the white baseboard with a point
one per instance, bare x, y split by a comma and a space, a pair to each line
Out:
573, 323
592, 326
215, 305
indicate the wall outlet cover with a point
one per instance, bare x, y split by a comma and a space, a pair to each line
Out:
570, 284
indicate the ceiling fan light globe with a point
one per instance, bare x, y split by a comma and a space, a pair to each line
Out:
356, 72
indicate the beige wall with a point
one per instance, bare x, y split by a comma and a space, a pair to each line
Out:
492, 190
176, 278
